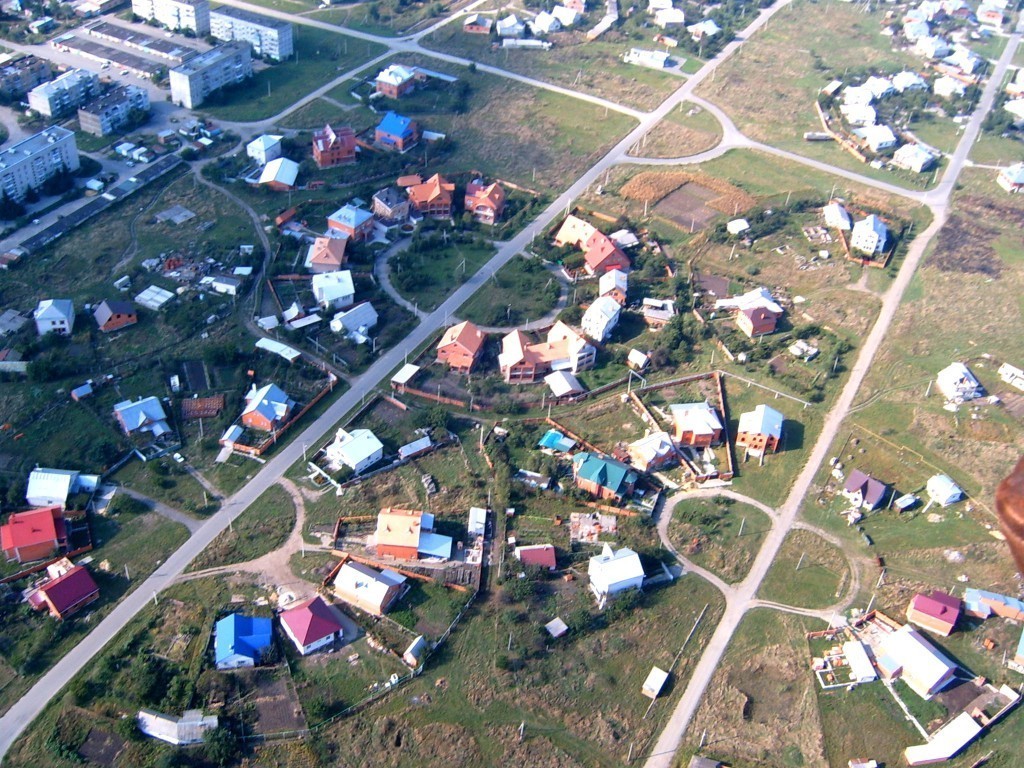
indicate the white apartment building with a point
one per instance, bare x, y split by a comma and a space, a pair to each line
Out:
193, 15
32, 161
112, 111
198, 77
270, 38
64, 95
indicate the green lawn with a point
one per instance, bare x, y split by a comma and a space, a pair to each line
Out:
262, 528
708, 532
320, 56
521, 290
425, 274
821, 580
320, 112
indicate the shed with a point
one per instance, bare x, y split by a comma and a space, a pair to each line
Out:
556, 627
477, 525
861, 668
654, 683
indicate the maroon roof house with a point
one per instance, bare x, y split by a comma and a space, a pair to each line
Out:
937, 612
542, 555
864, 490
66, 594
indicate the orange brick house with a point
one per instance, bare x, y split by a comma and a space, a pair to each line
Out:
326, 254
757, 321
695, 425
112, 315
602, 255
485, 202
433, 197
334, 147
460, 347
398, 533
760, 430
267, 409
34, 534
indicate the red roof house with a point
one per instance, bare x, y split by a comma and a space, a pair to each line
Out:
602, 255
34, 534
432, 197
757, 321
311, 625
542, 555
334, 147
460, 347
485, 202
937, 612
67, 593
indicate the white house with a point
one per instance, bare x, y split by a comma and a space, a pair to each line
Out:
880, 87
54, 316
356, 322
613, 572
837, 217
600, 318
758, 298
368, 589
858, 94
264, 148
280, 173
477, 521
877, 137
869, 235
180, 731
510, 26
932, 47
906, 655
311, 625
948, 87
566, 16
858, 114
915, 30
614, 282
1011, 178
669, 17
909, 81
643, 58
545, 23
913, 157
958, 384
964, 59
334, 290
51, 487
1015, 107
359, 449
702, 29
943, 491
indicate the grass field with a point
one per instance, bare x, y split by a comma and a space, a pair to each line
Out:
262, 528
708, 532
320, 56
520, 291
686, 130
821, 580
427, 275
320, 112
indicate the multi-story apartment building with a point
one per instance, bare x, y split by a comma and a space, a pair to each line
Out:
64, 95
198, 77
269, 38
32, 161
111, 111
193, 15
19, 76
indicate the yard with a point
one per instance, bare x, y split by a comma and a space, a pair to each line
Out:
808, 572
432, 267
260, 529
521, 291
719, 534
687, 130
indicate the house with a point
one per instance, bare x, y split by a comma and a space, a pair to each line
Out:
326, 254
957, 384
644, 58
990, 15
914, 31
407, 534
311, 625
757, 321
964, 59
34, 534
510, 26
702, 29
396, 80
932, 47
908, 81
864, 491
368, 589
563, 350
601, 318
111, 315
332, 147
228, 286
475, 24
142, 415
760, 430
279, 175
52, 487
190, 728
913, 157
1016, 108
563, 384
943, 491
54, 316
433, 197
982, 604
396, 132
545, 23
857, 95
658, 312
574, 231
614, 284
859, 114
267, 409
356, 322
63, 594
415, 448
567, 17
601, 255
358, 450
836, 216
460, 347
695, 425
614, 572
477, 525
413, 655
758, 297
602, 477
653, 452
669, 17
264, 148
351, 222
877, 138
390, 206
240, 641
334, 290
880, 87
906, 655
539, 555
869, 235
485, 202
555, 442
1011, 178
937, 612
948, 87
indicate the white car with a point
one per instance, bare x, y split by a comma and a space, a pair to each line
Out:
179, 458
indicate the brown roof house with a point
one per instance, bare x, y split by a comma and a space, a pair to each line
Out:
460, 347
485, 202
863, 490
937, 612
112, 315
326, 254
602, 255
432, 197
334, 147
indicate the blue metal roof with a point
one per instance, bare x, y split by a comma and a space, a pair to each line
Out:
241, 635
394, 124
435, 545
607, 473
555, 441
973, 599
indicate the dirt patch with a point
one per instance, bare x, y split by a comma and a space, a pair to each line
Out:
652, 186
101, 747
277, 706
688, 207
965, 245
667, 139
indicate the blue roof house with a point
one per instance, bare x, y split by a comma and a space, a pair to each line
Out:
397, 132
556, 442
239, 641
601, 477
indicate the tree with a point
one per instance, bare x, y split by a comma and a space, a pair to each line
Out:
10, 209
220, 745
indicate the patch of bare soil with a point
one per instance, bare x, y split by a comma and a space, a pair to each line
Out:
668, 139
965, 245
652, 186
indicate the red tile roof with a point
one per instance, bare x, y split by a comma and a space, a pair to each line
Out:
68, 591
36, 526
541, 554
466, 335
311, 621
937, 605
600, 247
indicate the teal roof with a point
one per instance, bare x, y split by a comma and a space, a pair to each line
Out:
556, 441
243, 635
607, 473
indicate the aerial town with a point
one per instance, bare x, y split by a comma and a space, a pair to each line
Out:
398, 383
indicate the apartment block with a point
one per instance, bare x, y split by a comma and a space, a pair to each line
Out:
19, 76
111, 112
198, 77
269, 38
64, 95
193, 15
32, 161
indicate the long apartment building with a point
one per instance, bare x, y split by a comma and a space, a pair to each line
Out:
269, 38
193, 15
64, 95
32, 161
112, 111
19, 76
200, 76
